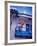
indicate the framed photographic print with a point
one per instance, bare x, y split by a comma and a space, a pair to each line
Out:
20, 22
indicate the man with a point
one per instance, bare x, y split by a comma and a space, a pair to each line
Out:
22, 24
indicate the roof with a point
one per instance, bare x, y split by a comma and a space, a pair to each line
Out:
25, 15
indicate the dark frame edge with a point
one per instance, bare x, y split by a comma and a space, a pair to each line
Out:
6, 40
20, 2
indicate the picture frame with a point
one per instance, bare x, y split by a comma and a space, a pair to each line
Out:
16, 11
